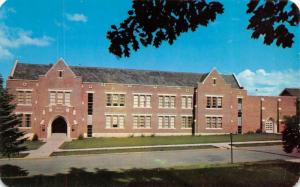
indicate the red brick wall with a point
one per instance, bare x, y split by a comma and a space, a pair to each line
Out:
229, 104
76, 115
271, 107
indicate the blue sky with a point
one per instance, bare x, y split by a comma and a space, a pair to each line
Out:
35, 31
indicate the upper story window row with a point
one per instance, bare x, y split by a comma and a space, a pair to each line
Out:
144, 101
115, 99
24, 97
166, 101
60, 97
141, 101
214, 102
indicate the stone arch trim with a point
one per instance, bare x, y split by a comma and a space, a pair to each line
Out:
49, 127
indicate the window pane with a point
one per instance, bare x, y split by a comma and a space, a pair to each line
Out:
208, 122
115, 100
108, 122
183, 121
167, 101
142, 101
172, 122
67, 98
160, 101
135, 121
148, 122
219, 102
108, 100
183, 102
135, 100
122, 99
28, 120
189, 102
214, 102
20, 97
172, 102
28, 97
60, 96
190, 122
160, 121
121, 121
208, 102
148, 101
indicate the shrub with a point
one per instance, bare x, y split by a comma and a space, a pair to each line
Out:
35, 138
152, 135
80, 137
250, 132
142, 135
258, 131
131, 136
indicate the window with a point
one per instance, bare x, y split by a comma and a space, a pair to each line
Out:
239, 121
141, 101
60, 97
25, 120
114, 121
240, 102
214, 81
24, 97
166, 122
186, 102
166, 101
186, 121
28, 120
60, 73
115, 100
67, 98
89, 131
141, 121
90, 103
213, 102
213, 122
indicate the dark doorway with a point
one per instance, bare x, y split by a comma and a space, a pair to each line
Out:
59, 125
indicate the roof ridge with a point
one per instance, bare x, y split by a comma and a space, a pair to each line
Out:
111, 68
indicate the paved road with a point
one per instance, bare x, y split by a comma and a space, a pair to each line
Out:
53, 165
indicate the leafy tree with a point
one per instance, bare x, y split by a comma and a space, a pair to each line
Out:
291, 134
11, 138
154, 21
271, 20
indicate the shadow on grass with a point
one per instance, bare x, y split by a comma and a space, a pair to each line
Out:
272, 173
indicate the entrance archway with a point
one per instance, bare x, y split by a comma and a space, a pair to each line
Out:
59, 125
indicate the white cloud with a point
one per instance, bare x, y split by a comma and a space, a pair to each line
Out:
2, 2
77, 17
5, 54
262, 82
12, 38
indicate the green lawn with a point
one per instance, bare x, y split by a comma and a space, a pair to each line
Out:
129, 150
267, 173
31, 145
163, 140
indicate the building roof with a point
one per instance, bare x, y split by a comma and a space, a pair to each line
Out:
291, 92
122, 76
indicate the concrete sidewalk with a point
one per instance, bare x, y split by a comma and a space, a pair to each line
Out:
225, 145
50, 146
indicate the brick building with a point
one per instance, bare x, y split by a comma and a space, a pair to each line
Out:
99, 102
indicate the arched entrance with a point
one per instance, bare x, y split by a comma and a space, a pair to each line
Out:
59, 125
